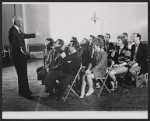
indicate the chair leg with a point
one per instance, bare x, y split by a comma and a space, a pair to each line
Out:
146, 78
100, 91
70, 89
74, 92
67, 93
105, 85
136, 79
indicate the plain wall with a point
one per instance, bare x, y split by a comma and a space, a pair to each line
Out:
7, 15
36, 18
64, 20
119, 18
74, 19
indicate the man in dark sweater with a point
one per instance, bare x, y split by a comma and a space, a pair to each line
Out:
68, 69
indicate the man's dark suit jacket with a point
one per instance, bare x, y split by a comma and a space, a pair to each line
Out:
71, 64
16, 39
141, 56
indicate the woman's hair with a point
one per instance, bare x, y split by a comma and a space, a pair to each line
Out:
75, 44
87, 41
125, 34
61, 42
101, 37
124, 41
97, 41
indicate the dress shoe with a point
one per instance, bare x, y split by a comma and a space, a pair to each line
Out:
27, 96
89, 92
47, 91
31, 92
51, 96
58, 98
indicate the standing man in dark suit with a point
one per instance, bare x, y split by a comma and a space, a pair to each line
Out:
138, 57
17, 43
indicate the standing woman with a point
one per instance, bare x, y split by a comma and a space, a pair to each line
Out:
17, 43
121, 63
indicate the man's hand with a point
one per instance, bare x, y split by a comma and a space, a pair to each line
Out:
63, 55
38, 33
115, 65
22, 50
46, 42
134, 65
131, 63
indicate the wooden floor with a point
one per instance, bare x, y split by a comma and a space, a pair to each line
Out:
135, 99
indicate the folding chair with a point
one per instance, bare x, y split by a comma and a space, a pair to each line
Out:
146, 78
103, 80
70, 87
141, 81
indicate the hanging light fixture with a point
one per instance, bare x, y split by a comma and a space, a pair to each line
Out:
94, 18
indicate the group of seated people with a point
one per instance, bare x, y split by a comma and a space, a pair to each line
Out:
61, 63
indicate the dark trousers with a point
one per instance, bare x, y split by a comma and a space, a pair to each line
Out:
41, 74
20, 62
64, 79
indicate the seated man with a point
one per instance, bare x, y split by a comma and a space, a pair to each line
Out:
49, 47
138, 57
69, 67
51, 60
97, 68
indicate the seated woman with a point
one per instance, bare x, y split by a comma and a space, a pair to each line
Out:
97, 68
120, 66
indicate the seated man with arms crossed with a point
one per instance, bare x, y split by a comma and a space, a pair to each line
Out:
69, 67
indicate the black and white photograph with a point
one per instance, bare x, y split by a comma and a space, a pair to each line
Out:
74, 60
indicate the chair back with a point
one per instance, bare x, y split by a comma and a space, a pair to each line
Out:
77, 73
146, 78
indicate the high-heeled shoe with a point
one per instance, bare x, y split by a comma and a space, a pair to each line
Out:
81, 96
89, 92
